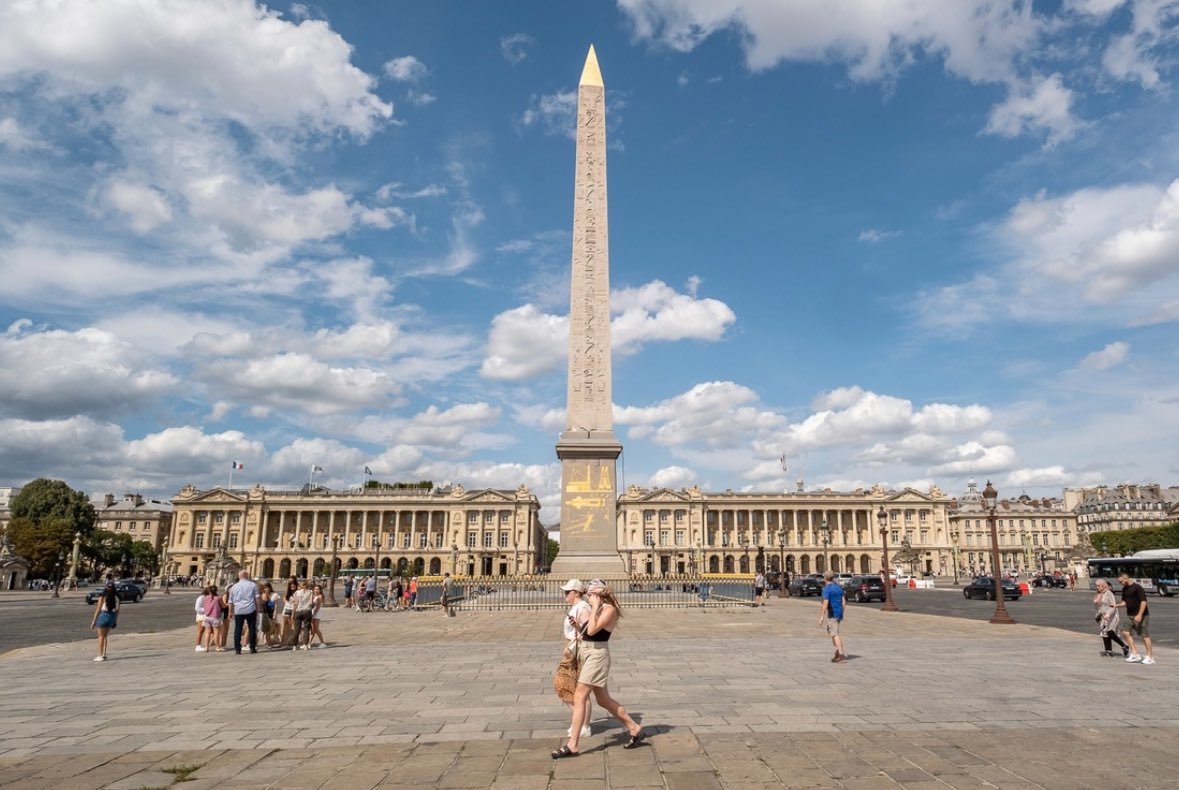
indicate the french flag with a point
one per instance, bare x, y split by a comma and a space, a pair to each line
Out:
237, 465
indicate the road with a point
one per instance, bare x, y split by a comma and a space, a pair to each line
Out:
1070, 610
36, 618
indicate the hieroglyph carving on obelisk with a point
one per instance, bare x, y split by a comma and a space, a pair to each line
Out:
587, 448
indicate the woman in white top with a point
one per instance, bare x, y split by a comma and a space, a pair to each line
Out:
304, 605
575, 620
316, 611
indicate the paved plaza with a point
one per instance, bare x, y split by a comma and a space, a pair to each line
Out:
740, 698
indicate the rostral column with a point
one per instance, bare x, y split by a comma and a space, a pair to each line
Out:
587, 448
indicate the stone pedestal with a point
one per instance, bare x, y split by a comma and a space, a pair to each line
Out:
589, 506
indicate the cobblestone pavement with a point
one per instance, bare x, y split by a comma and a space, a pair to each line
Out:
731, 698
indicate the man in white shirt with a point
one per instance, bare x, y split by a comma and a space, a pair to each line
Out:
243, 608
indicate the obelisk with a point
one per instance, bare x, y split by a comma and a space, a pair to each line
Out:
587, 448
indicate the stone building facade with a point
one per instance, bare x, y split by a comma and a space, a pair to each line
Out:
1125, 506
1034, 534
275, 534
148, 520
664, 531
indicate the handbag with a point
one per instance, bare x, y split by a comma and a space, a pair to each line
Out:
565, 679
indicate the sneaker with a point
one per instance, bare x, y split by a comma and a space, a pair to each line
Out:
586, 731
322, 645
1134, 659
200, 649
1105, 654
1148, 660
100, 658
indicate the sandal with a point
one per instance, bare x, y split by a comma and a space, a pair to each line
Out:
564, 751
635, 740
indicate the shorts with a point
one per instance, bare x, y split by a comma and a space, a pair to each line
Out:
200, 619
107, 620
595, 664
759, 591
370, 595
833, 626
1143, 628
212, 622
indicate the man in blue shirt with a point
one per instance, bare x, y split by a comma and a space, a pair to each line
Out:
243, 608
831, 613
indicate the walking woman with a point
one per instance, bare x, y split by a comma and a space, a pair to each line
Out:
575, 620
106, 617
1107, 619
288, 613
316, 611
595, 670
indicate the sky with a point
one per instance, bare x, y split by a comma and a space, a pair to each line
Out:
898, 243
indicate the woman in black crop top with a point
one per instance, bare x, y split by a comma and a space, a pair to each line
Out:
595, 669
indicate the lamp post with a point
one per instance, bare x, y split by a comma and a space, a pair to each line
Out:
991, 500
454, 559
954, 557
882, 520
336, 540
744, 543
783, 589
57, 573
825, 530
164, 564
377, 561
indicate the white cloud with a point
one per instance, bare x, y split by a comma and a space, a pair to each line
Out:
978, 40
55, 373
296, 382
176, 449
553, 113
1043, 104
457, 426
1113, 249
976, 457
145, 207
1132, 56
673, 477
874, 235
515, 47
693, 417
406, 69
225, 58
1112, 355
14, 138
524, 342
420, 98
341, 464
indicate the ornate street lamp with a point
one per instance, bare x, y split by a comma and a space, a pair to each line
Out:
783, 588
337, 539
166, 564
454, 559
74, 560
882, 520
991, 500
826, 530
57, 573
954, 556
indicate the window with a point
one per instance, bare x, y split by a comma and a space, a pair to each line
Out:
679, 515
489, 517
235, 518
503, 540
664, 516
487, 540
200, 540
405, 541
896, 536
472, 518
923, 516
131, 526
679, 537
648, 516
505, 517
664, 537
925, 536
202, 517
233, 540
471, 539
649, 537
438, 540
218, 517
216, 540
424, 541
118, 526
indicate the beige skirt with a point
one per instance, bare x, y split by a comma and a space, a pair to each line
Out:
595, 664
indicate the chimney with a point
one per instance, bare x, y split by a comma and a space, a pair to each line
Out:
109, 499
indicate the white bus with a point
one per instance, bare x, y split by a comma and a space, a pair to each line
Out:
1157, 570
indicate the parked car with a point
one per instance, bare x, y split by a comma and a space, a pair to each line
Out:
127, 590
803, 586
1048, 580
773, 580
864, 588
984, 587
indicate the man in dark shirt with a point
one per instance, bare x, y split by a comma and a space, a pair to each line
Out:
1134, 601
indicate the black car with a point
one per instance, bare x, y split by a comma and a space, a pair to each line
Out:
127, 590
984, 587
1047, 580
803, 586
864, 588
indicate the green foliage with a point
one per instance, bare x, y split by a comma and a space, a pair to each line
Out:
106, 550
42, 544
421, 485
553, 548
43, 500
1129, 541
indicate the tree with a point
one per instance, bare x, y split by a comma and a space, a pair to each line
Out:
553, 548
106, 550
41, 544
1124, 542
43, 500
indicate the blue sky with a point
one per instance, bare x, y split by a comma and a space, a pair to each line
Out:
901, 243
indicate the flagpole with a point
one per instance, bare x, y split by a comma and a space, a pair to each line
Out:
231, 466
